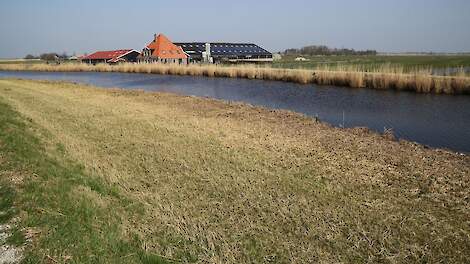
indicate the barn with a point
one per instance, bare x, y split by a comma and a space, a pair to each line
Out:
111, 56
162, 50
218, 52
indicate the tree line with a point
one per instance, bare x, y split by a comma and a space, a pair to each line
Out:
325, 50
48, 56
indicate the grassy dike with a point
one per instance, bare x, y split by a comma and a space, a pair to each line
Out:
53, 202
128, 176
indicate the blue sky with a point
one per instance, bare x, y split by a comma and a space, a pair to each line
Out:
34, 26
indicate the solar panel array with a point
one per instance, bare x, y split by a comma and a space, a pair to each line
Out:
224, 49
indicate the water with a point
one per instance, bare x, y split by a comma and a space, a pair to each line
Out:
434, 120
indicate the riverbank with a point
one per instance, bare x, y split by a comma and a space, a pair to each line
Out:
200, 180
382, 78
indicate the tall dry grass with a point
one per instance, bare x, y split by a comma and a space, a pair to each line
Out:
210, 182
382, 77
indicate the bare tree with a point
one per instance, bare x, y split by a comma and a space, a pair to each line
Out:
49, 56
30, 57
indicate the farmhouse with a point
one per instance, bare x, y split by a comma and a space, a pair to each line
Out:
111, 56
162, 50
225, 52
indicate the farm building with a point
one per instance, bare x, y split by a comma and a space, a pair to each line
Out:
111, 56
301, 59
225, 52
162, 50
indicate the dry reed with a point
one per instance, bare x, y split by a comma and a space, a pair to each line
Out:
383, 77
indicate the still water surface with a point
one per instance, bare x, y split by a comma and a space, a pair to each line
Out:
434, 120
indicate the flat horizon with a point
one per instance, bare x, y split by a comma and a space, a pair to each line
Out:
385, 26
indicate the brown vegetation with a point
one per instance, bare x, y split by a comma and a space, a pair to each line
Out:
231, 183
383, 77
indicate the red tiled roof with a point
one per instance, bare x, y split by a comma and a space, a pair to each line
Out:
106, 55
163, 48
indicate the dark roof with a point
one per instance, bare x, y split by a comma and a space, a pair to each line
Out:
223, 48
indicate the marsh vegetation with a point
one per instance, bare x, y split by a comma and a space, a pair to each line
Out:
382, 77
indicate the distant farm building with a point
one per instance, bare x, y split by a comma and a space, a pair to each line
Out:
225, 52
73, 58
162, 50
301, 59
111, 56
277, 56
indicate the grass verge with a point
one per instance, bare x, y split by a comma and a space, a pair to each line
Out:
64, 225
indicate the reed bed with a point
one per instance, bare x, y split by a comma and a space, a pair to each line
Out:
382, 77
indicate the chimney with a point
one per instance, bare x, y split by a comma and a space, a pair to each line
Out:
208, 49
155, 37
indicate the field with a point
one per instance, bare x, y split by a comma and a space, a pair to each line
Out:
409, 63
111, 176
20, 61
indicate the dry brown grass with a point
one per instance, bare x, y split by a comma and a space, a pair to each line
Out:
383, 77
232, 183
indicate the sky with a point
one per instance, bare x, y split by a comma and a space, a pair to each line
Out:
39, 26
